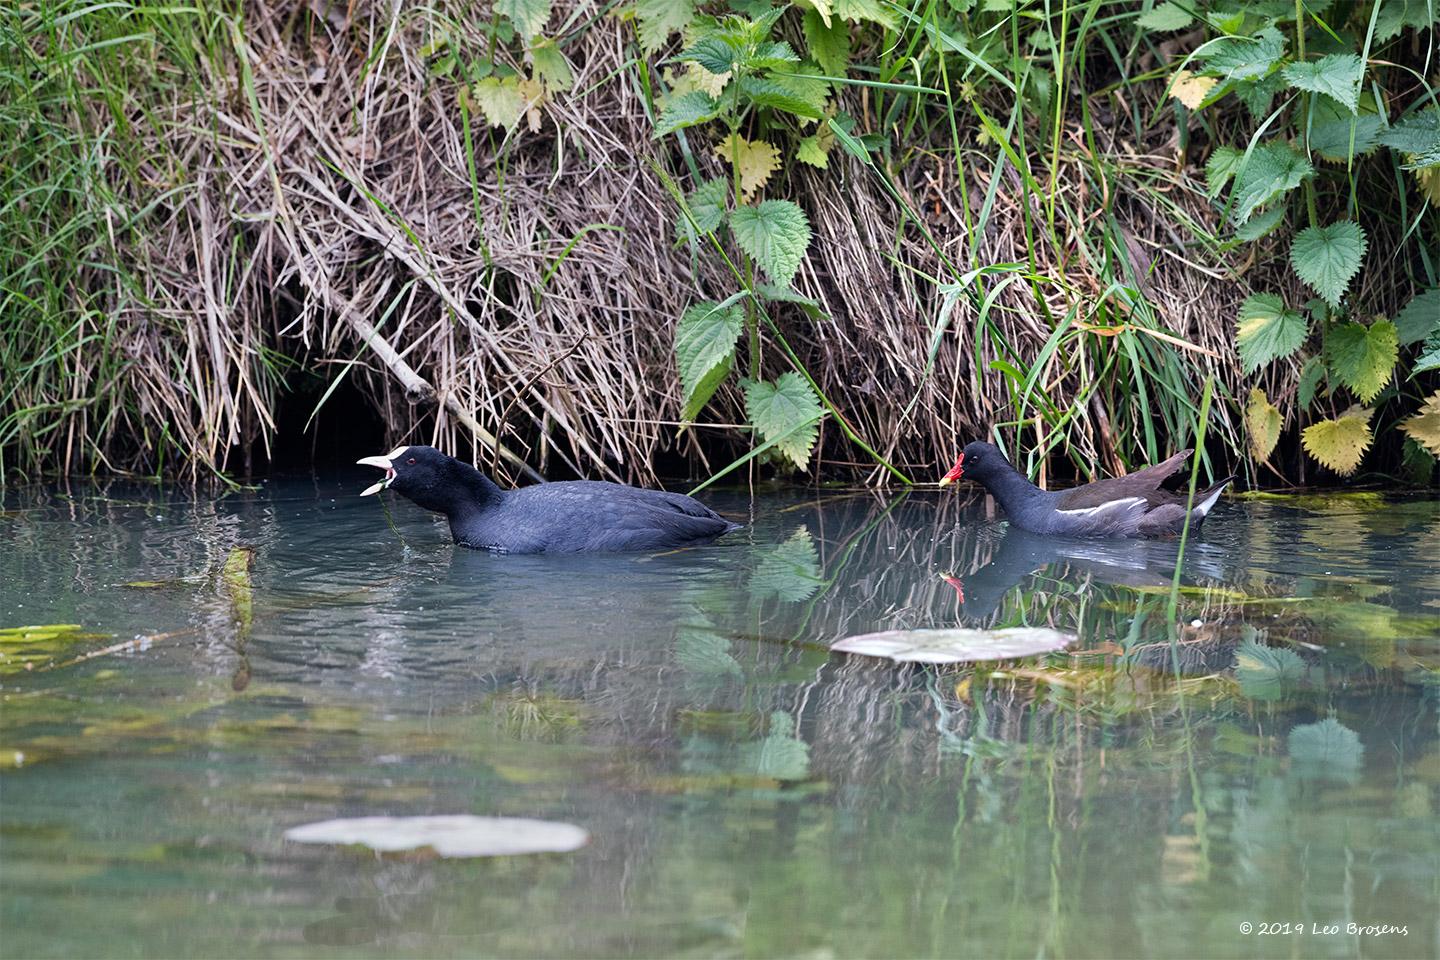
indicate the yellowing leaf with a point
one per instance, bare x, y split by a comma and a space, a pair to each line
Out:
815, 150
822, 7
753, 160
1424, 427
499, 100
1339, 444
1262, 420
711, 83
534, 95
1190, 89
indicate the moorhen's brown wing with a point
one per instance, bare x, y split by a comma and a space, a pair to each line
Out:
1143, 483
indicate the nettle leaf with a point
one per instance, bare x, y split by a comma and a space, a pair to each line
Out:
775, 55
715, 54
1220, 168
753, 160
701, 79
1420, 318
789, 571
529, 16
705, 350
1338, 136
1261, 224
1263, 421
1418, 136
1166, 17
767, 92
858, 10
776, 233
829, 43
1267, 330
786, 412
1363, 357
1337, 76
1243, 58
1272, 169
658, 19
1190, 88
1266, 673
1339, 444
802, 83
551, 67
1257, 95
686, 110
500, 100
1327, 257
1396, 15
821, 8
815, 149
707, 206
1312, 371
1424, 427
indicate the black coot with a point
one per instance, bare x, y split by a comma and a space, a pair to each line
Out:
581, 516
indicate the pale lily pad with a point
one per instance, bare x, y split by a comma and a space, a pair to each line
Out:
955, 645
459, 835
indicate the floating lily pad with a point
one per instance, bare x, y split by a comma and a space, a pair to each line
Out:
459, 835
955, 645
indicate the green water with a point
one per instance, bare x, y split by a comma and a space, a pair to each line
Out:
748, 794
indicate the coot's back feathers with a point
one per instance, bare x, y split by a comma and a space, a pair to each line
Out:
580, 516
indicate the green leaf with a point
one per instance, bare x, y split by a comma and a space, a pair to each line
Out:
789, 571
658, 19
500, 100
786, 412
830, 46
1429, 358
1337, 76
1243, 58
1326, 750
813, 91
686, 110
1339, 444
1363, 357
1312, 371
1271, 169
1257, 95
551, 67
1262, 421
1396, 15
768, 93
529, 16
1220, 168
704, 351
1166, 17
1261, 224
1417, 135
1420, 318
707, 206
713, 53
775, 233
772, 56
1266, 673
1326, 258
1266, 330
1331, 126
779, 756
858, 10
812, 151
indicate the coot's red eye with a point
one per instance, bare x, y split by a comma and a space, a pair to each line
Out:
411, 460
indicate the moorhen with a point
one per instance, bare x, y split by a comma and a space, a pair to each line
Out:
1128, 506
577, 516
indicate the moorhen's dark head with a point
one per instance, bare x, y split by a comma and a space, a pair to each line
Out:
978, 461
423, 475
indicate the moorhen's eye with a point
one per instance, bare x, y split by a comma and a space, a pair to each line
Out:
411, 460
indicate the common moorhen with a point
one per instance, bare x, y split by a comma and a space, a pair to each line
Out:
577, 516
1128, 506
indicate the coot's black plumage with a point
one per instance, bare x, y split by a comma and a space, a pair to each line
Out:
580, 516
1128, 506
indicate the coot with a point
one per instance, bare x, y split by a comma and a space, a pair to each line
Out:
1128, 506
580, 516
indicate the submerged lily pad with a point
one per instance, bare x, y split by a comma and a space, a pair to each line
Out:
459, 835
955, 645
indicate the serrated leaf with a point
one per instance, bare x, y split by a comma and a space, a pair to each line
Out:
1424, 427
1338, 136
780, 755
786, 412
1262, 422
857, 10
1261, 223
712, 83
828, 44
1420, 318
1243, 58
773, 55
1265, 673
1190, 88
803, 84
707, 206
1339, 444
705, 350
1327, 749
1267, 330
813, 151
551, 67
1258, 95
1396, 15
500, 100
686, 110
658, 19
1220, 168
1271, 169
775, 233
821, 8
714, 53
1337, 76
1165, 17
1312, 371
753, 160
1327, 257
767, 92
1418, 137
1363, 357
529, 16
1429, 358
790, 571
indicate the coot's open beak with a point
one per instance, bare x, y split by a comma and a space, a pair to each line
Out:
384, 463
956, 472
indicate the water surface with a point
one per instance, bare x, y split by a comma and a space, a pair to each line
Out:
1275, 759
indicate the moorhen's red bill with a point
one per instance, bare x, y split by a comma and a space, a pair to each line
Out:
1128, 506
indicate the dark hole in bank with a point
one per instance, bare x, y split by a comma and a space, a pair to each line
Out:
345, 428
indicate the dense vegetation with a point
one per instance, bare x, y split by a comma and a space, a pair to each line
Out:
844, 232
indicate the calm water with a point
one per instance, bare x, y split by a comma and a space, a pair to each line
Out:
748, 793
